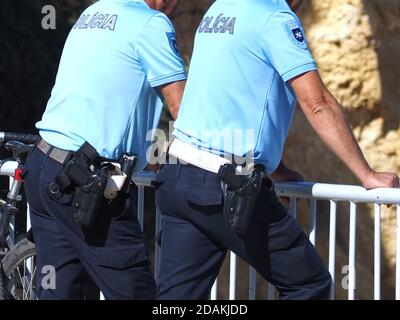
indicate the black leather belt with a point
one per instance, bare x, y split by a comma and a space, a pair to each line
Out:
54, 153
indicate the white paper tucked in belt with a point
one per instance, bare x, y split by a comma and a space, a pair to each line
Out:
189, 153
114, 183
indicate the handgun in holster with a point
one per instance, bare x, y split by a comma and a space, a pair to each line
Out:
88, 174
88, 198
240, 195
84, 174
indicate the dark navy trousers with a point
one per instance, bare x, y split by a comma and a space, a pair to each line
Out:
112, 253
194, 240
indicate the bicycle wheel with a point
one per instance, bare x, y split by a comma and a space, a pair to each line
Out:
19, 265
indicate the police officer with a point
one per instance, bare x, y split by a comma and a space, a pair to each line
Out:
250, 62
119, 59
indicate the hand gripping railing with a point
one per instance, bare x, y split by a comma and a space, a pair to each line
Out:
353, 195
313, 192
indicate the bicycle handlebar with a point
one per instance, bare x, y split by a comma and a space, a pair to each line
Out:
21, 137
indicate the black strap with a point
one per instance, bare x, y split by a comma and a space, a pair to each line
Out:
77, 169
88, 152
227, 173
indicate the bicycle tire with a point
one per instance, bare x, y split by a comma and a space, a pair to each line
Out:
5, 293
15, 259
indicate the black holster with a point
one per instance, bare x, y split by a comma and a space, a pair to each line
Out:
88, 198
87, 175
240, 195
79, 168
83, 174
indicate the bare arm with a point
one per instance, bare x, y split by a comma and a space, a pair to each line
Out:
172, 94
328, 119
283, 173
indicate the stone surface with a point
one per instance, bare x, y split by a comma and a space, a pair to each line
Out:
356, 44
186, 22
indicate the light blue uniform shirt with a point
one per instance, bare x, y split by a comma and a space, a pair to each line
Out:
115, 55
237, 99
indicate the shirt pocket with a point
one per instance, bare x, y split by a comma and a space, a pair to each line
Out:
204, 189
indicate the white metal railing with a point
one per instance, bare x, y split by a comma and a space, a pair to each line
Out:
354, 195
314, 192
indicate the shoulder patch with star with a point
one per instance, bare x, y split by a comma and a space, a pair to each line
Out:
172, 42
295, 33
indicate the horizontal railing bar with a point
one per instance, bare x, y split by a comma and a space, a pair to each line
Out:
338, 192
308, 190
314, 191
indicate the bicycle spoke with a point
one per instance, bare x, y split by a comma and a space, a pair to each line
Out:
33, 267
30, 286
22, 281
25, 294
28, 276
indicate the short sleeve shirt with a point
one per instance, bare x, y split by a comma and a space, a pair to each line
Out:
237, 99
115, 56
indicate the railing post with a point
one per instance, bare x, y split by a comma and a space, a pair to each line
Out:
28, 217
214, 290
252, 283
271, 292
377, 253
157, 247
398, 254
232, 277
313, 220
332, 245
293, 207
352, 251
314, 192
11, 227
140, 204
